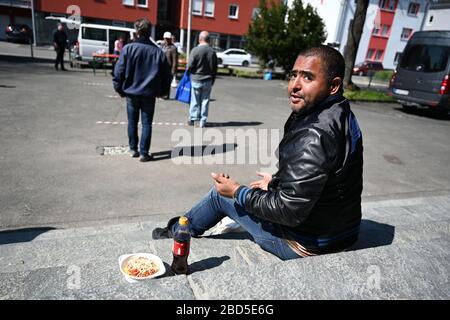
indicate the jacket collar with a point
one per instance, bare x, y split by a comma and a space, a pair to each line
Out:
328, 102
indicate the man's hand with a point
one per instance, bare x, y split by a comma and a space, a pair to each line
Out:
263, 183
224, 185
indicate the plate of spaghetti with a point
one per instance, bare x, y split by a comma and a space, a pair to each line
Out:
141, 266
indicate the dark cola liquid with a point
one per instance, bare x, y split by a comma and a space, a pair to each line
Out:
181, 246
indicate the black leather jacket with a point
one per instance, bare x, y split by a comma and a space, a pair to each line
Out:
316, 194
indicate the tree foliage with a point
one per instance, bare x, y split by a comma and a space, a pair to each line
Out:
281, 33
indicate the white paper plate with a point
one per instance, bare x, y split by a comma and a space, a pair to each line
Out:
124, 258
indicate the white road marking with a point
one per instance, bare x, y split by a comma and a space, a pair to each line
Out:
139, 123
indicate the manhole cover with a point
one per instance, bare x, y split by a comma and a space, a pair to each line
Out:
113, 150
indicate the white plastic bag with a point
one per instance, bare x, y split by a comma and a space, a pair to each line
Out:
174, 83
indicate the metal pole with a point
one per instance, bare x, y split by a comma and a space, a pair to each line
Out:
188, 46
33, 22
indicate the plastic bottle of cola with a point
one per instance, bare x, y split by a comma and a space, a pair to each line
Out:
181, 245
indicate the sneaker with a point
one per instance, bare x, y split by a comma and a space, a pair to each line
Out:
134, 153
202, 125
146, 157
190, 123
166, 232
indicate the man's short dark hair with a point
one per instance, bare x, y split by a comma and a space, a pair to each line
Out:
142, 27
332, 60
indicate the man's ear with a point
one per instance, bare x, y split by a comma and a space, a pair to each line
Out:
335, 85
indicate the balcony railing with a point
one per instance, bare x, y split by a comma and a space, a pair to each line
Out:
16, 3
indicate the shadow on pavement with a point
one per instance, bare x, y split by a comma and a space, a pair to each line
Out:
202, 265
233, 124
21, 235
426, 113
23, 59
193, 151
373, 234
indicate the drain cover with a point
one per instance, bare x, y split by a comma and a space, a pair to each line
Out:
112, 150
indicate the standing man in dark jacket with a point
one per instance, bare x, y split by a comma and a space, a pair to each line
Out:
202, 66
312, 205
171, 55
141, 74
60, 43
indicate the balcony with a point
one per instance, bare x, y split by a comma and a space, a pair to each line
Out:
16, 3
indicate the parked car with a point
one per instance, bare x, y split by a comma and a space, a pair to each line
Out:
95, 38
19, 33
218, 49
236, 57
423, 72
367, 67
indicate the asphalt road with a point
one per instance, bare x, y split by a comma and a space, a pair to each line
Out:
54, 126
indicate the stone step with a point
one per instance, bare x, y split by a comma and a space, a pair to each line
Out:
399, 271
395, 272
402, 253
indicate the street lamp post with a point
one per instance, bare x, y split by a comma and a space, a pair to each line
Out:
33, 22
188, 45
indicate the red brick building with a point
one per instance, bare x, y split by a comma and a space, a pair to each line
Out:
226, 20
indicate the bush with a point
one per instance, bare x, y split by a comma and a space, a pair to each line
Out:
384, 75
368, 95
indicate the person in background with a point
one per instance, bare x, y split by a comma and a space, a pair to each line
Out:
60, 44
141, 74
118, 45
202, 66
171, 55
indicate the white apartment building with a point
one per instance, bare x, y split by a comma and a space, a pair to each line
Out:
388, 26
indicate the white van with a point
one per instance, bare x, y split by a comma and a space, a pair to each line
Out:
95, 38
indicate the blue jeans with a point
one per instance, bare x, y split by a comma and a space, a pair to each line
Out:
214, 207
146, 107
200, 92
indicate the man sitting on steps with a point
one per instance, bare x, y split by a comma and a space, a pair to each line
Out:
312, 205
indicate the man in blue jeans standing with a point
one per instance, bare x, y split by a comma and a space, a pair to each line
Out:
141, 74
312, 205
202, 66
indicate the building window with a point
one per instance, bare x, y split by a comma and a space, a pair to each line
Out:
233, 12
381, 31
388, 4
209, 8
406, 34
378, 55
397, 57
376, 31
370, 54
142, 3
385, 30
128, 2
197, 7
255, 13
413, 9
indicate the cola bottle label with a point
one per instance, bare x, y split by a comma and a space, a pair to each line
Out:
180, 248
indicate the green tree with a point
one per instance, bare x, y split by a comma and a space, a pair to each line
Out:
305, 29
281, 33
267, 31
